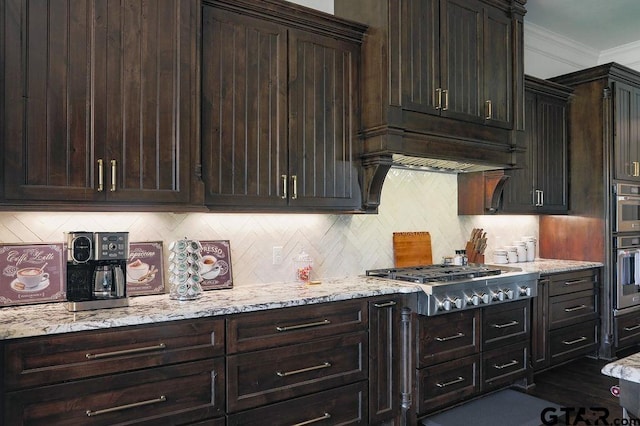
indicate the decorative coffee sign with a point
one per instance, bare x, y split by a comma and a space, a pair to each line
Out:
144, 269
215, 268
32, 273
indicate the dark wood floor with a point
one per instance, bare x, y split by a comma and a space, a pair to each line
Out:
580, 387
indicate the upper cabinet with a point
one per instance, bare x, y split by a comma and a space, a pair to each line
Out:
626, 141
442, 79
100, 102
279, 108
459, 57
540, 184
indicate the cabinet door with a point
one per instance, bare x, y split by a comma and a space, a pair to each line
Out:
497, 66
244, 127
626, 139
519, 191
420, 55
461, 52
145, 69
551, 163
92, 82
47, 83
323, 121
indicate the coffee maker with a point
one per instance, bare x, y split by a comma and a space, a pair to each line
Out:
96, 270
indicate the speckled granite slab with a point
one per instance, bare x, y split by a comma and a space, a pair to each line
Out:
625, 369
53, 318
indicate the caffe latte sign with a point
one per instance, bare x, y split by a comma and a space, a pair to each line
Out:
32, 273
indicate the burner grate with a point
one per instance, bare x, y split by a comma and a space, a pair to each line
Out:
435, 273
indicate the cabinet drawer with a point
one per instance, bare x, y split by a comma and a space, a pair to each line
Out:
277, 327
53, 359
573, 341
627, 329
272, 375
449, 336
504, 365
177, 393
448, 382
344, 406
571, 282
573, 308
505, 324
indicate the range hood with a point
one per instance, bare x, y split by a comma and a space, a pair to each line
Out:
438, 165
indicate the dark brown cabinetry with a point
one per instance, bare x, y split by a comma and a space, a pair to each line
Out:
462, 354
565, 317
173, 371
279, 107
540, 183
99, 102
301, 352
627, 131
627, 329
441, 79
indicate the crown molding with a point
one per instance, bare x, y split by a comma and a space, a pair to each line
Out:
558, 48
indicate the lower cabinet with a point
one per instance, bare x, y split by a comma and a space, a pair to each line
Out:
460, 355
565, 318
168, 372
627, 330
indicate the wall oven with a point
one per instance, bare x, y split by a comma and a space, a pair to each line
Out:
627, 271
627, 208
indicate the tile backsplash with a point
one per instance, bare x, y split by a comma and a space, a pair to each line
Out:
340, 245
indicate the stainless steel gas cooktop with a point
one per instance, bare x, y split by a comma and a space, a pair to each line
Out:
448, 288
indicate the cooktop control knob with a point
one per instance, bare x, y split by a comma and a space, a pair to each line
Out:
474, 300
508, 293
457, 302
525, 291
498, 295
443, 305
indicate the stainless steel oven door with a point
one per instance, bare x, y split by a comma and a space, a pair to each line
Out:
628, 278
627, 208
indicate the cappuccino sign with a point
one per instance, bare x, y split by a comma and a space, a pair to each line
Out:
144, 269
32, 273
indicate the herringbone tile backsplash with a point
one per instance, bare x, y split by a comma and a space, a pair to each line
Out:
340, 245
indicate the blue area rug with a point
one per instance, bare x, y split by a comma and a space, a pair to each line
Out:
503, 408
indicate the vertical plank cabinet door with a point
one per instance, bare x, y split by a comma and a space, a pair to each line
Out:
99, 100
244, 115
48, 152
461, 24
323, 160
384, 359
626, 145
497, 64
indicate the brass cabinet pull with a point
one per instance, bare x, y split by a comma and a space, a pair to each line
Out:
317, 419
489, 110
100, 175
574, 282
539, 202
294, 178
632, 328
385, 305
452, 382
437, 101
299, 326
284, 187
126, 352
509, 364
303, 370
636, 169
509, 324
573, 342
445, 339
91, 413
541, 198
446, 99
113, 175
575, 308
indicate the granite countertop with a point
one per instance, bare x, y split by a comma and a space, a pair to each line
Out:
625, 369
53, 318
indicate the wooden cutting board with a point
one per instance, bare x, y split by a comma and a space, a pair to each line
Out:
411, 249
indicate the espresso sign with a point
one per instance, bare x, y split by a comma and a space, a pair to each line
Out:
215, 266
32, 273
144, 269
